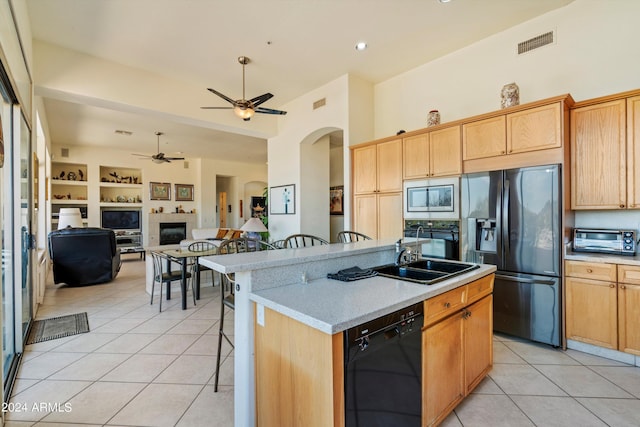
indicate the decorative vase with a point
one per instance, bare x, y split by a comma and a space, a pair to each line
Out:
433, 118
510, 95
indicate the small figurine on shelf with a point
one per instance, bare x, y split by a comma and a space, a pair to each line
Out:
81, 174
61, 174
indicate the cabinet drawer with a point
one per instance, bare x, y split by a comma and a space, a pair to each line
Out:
480, 288
629, 274
591, 270
443, 305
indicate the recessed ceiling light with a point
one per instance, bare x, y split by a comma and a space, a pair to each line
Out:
444, 1
361, 46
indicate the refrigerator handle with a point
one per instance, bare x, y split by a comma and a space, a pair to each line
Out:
524, 280
506, 233
499, 215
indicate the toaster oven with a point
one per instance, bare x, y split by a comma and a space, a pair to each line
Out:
619, 242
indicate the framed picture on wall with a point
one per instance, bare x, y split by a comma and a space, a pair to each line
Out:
159, 191
335, 200
184, 193
282, 200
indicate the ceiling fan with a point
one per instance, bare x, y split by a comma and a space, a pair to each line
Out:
245, 108
159, 157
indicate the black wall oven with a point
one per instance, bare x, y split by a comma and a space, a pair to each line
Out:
440, 237
383, 370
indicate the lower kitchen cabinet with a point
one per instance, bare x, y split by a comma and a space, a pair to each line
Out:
603, 305
457, 351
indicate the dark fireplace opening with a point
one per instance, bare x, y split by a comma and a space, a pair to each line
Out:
172, 232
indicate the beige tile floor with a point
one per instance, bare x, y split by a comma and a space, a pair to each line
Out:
138, 367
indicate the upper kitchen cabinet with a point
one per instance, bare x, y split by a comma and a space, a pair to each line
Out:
524, 135
377, 168
604, 153
436, 153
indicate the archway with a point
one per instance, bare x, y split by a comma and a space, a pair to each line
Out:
321, 168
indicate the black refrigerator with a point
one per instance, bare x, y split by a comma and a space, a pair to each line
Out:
512, 219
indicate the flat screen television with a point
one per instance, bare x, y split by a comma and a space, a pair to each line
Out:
121, 219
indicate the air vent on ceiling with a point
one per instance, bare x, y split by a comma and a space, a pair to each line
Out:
536, 42
123, 132
319, 103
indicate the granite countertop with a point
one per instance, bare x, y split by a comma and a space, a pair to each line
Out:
333, 306
603, 258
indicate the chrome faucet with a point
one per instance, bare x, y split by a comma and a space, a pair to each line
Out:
417, 250
402, 252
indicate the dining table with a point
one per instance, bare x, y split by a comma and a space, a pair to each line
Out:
182, 257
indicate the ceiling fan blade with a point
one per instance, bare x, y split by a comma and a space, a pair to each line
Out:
270, 111
141, 155
173, 158
225, 97
260, 99
217, 108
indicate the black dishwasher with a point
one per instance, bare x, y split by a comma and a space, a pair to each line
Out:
383, 370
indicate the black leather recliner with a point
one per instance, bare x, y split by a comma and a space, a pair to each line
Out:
84, 256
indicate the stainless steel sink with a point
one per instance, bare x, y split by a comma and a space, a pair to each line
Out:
444, 266
425, 272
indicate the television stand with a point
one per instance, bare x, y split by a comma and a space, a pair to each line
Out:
130, 242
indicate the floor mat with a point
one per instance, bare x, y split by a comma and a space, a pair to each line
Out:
58, 327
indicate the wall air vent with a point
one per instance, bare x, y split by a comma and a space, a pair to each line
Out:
536, 42
64, 152
319, 103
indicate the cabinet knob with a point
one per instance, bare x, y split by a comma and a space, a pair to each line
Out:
623, 287
621, 205
589, 270
447, 305
612, 285
502, 152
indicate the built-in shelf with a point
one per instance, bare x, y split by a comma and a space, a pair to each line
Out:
120, 186
120, 205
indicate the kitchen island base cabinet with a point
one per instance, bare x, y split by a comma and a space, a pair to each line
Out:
299, 374
300, 370
457, 352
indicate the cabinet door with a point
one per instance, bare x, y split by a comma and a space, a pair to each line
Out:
365, 215
591, 312
535, 129
478, 345
390, 166
390, 224
364, 169
629, 318
442, 369
416, 156
445, 152
598, 165
484, 138
633, 152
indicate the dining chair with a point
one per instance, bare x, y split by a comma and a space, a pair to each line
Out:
232, 246
202, 247
303, 240
351, 236
278, 244
166, 277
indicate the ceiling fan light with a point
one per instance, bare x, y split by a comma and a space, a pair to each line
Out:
243, 112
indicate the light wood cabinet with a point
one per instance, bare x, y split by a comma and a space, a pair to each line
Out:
377, 184
378, 168
605, 133
484, 138
603, 305
598, 156
629, 309
436, 153
379, 216
457, 347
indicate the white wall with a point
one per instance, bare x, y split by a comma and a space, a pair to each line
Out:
303, 124
592, 57
336, 177
314, 188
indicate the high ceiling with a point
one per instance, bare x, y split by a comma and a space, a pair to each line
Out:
295, 46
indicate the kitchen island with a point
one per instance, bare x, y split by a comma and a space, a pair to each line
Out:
297, 306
